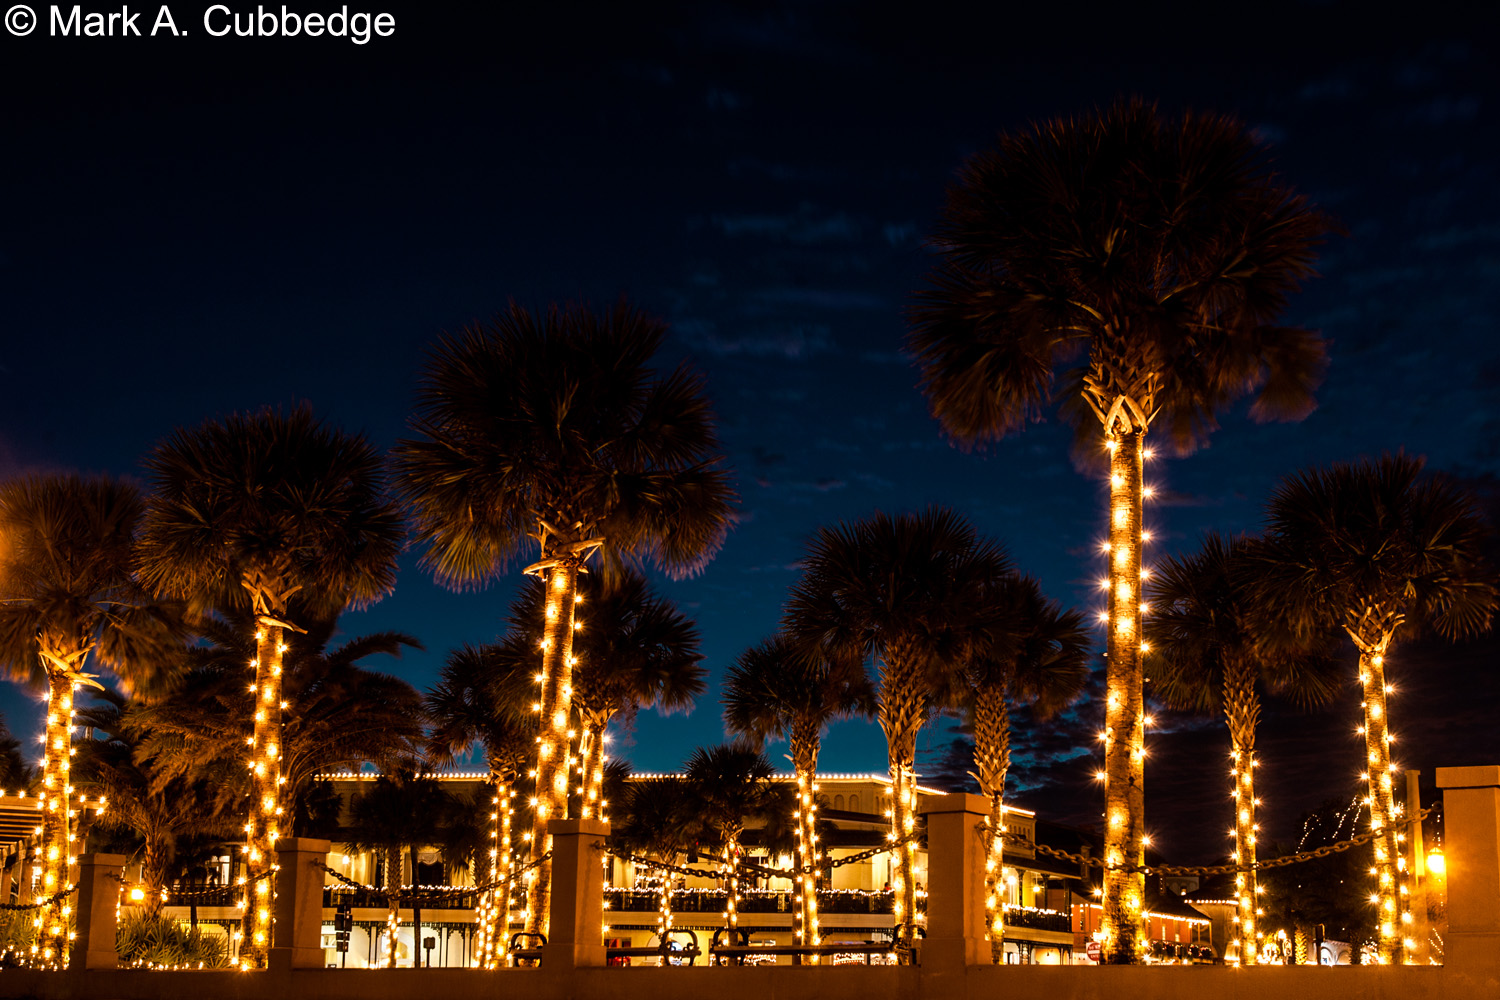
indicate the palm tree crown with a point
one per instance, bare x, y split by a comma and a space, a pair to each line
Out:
1161, 251
553, 427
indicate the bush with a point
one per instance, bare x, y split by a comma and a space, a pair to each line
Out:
143, 940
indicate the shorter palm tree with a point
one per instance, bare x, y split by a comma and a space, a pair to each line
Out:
484, 697
915, 594
1379, 551
1040, 660
1211, 647
394, 816
661, 822
160, 817
732, 784
68, 601
777, 691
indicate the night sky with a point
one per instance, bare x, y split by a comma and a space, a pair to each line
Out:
195, 226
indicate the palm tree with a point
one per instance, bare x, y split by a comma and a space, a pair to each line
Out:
1379, 551
661, 821
398, 813
634, 649
160, 816
913, 592
1212, 648
732, 784
67, 602
552, 429
1159, 253
484, 698
340, 714
1041, 660
249, 512
776, 691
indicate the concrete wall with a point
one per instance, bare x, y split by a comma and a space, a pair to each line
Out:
769, 983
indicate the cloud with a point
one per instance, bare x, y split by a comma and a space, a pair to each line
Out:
786, 339
806, 226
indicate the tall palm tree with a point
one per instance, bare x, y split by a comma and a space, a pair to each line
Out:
551, 429
1211, 647
484, 698
248, 512
1040, 660
398, 813
1381, 552
68, 601
634, 649
732, 784
340, 714
1158, 253
161, 815
777, 691
914, 593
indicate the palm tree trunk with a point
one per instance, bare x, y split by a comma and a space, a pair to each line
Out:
1242, 710
664, 917
902, 710
731, 869
393, 901
553, 741
1390, 861
1123, 905
992, 761
262, 830
52, 922
491, 936
153, 873
592, 752
804, 747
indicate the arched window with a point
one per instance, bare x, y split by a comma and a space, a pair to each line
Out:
838, 802
854, 803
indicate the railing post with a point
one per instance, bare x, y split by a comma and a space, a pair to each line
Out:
296, 937
97, 897
577, 915
1471, 823
955, 883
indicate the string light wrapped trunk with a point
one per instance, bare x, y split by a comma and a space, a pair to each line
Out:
591, 752
493, 919
393, 901
992, 760
1123, 903
901, 712
262, 829
51, 922
553, 742
804, 748
1392, 917
1242, 712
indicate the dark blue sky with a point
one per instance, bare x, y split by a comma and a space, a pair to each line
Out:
198, 225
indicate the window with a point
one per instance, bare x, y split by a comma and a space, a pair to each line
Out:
854, 803
838, 802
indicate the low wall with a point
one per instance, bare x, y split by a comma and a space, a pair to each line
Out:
853, 982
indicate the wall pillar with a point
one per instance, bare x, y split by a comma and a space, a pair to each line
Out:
1471, 820
94, 922
955, 883
296, 936
577, 911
